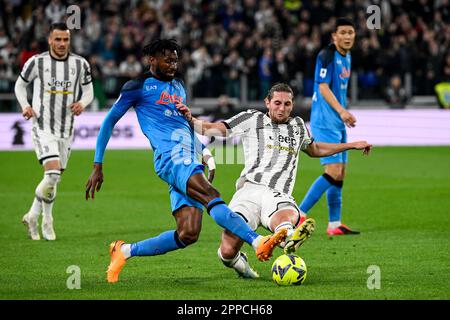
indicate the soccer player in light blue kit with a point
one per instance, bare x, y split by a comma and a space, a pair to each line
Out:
154, 96
329, 117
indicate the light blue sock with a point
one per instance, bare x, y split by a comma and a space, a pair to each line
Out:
231, 221
165, 242
334, 199
314, 193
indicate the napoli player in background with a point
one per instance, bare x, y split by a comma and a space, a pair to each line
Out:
329, 118
154, 96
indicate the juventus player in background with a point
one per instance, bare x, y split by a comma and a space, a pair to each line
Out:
62, 88
271, 143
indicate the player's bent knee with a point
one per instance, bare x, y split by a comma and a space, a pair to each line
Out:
189, 237
46, 190
212, 192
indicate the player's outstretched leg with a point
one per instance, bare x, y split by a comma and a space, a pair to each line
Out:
300, 235
240, 264
201, 190
121, 251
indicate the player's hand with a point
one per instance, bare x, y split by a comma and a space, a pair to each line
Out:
363, 145
95, 181
185, 111
77, 108
28, 113
348, 118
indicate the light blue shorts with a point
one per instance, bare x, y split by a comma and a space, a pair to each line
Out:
177, 175
331, 136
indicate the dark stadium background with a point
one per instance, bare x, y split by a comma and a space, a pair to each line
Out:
237, 49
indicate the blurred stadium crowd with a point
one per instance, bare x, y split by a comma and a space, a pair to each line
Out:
267, 41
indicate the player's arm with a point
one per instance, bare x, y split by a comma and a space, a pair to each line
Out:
126, 100
88, 91
203, 127
323, 76
348, 118
207, 158
26, 76
323, 149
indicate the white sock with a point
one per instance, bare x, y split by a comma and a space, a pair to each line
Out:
47, 211
237, 262
286, 225
290, 231
256, 242
36, 209
334, 224
46, 192
126, 250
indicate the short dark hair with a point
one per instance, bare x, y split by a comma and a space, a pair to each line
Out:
279, 87
58, 26
343, 22
159, 46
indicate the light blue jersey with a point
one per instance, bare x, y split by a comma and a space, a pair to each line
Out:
174, 143
154, 102
334, 69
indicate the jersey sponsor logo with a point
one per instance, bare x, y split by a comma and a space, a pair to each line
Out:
152, 87
286, 139
58, 83
288, 149
323, 72
345, 73
166, 98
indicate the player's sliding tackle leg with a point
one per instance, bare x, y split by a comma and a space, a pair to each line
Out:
189, 221
231, 256
296, 234
201, 190
188, 229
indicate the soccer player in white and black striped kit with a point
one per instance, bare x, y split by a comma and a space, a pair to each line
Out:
62, 88
272, 142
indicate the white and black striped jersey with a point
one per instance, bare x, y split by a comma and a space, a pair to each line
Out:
270, 149
56, 85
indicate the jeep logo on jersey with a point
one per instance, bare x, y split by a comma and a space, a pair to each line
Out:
289, 140
167, 98
58, 83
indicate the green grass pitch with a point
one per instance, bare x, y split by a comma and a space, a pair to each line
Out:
398, 197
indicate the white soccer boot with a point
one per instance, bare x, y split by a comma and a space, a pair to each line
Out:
32, 226
249, 273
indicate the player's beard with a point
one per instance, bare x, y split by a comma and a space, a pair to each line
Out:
163, 76
57, 55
